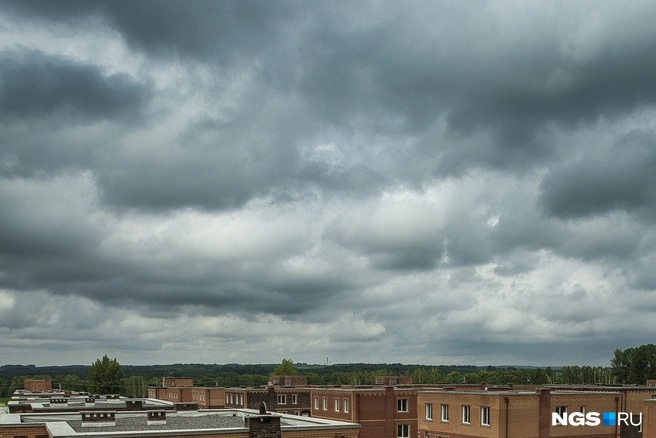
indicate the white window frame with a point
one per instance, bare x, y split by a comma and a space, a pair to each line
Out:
444, 413
282, 399
294, 399
402, 405
485, 415
336, 405
325, 403
403, 431
347, 402
465, 414
429, 411
316, 403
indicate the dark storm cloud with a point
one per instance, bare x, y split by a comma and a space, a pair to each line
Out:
293, 168
36, 86
621, 178
224, 31
392, 75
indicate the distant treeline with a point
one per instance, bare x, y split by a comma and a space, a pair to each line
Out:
138, 378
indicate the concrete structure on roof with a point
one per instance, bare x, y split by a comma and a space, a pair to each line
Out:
68, 401
239, 423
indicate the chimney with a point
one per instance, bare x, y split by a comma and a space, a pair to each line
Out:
263, 426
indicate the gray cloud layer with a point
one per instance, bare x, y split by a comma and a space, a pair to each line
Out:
238, 181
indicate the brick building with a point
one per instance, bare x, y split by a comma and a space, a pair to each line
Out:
393, 380
182, 390
161, 424
383, 412
289, 380
514, 414
177, 381
285, 400
649, 418
36, 385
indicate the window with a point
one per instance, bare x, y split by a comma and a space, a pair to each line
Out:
445, 413
227, 398
429, 411
346, 405
402, 405
288, 382
561, 411
485, 415
466, 414
403, 431
294, 399
325, 403
316, 403
336, 405
241, 399
282, 399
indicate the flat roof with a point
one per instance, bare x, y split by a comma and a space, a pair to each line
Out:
63, 425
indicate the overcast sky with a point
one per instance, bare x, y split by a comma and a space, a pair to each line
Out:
435, 182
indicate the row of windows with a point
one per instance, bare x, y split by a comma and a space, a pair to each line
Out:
235, 399
282, 399
345, 408
465, 414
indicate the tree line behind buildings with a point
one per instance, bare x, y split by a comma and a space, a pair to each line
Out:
631, 366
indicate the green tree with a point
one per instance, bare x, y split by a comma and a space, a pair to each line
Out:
105, 376
635, 364
286, 368
70, 382
135, 386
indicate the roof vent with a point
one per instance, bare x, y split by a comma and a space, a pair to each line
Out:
156, 417
98, 419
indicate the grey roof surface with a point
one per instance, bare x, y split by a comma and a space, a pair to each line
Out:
139, 423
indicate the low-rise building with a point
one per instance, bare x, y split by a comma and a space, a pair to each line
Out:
514, 414
284, 400
383, 411
68, 401
161, 424
37, 384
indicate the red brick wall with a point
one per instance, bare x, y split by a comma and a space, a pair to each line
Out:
29, 431
37, 385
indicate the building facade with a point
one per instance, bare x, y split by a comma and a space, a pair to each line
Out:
512, 414
284, 400
383, 412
